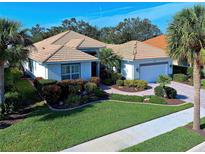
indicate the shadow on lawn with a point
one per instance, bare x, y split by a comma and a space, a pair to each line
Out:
46, 114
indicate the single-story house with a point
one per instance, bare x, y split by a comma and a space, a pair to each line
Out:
68, 55
142, 61
161, 42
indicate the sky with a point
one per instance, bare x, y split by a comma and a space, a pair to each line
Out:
100, 14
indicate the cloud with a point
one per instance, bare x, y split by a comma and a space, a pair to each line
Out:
165, 11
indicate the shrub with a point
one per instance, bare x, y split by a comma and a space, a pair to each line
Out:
51, 93
72, 99
190, 72
139, 84
155, 99
170, 92
203, 83
36, 80
203, 73
12, 102
99, 93
104, 74
9, 86
163, 80
74, 89
80, 83
159, 91
128, 83
107, 82
115, 76
165, 92
40, 83
180, 77
16, 73
120, 83
84, 99
126, 98
90, 87
95, 80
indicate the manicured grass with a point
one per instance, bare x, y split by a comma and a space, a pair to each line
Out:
45, 130
178, 140
131, 98
126, 98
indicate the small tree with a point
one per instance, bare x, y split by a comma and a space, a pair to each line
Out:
109, 60
163, 80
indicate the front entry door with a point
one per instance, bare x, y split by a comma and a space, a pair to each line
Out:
94, 68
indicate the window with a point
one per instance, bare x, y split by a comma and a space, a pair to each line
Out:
70, 71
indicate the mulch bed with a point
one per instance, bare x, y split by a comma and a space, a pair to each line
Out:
200, 132
12, 119
174, 101
127, 89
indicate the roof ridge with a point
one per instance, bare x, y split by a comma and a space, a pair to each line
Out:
61, 36
52, 54
80, 43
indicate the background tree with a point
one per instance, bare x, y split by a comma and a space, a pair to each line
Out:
132, 29
186, 39
81, 27
129, 29
109, 60
37, 33
14, 44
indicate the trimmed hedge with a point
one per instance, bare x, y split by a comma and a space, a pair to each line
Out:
180, 77
159, 91
95, 80
170, 92
166, 91
40, 83
90, 87
120, 83
126, 98
139, 84
51, 93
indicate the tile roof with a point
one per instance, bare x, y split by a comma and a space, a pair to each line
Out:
134, 50
69, 54
158, 41
64, 45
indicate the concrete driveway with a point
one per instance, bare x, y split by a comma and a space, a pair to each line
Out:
185, 92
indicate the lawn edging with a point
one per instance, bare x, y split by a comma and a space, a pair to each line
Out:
149, 103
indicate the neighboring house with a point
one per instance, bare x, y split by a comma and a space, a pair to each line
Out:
68, 55
161, 42
142, 61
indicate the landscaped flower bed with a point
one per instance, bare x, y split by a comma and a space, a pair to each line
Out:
153, 99
131, 85
70, 93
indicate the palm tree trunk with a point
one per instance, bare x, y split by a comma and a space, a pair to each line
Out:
1, 82
197, 86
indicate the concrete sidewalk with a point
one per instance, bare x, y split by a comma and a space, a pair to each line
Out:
136, 134
198, 148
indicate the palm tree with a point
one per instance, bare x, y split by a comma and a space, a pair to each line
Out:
186, 39
109, 60
14, 47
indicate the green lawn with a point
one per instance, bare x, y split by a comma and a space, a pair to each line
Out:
178, 140
45, 130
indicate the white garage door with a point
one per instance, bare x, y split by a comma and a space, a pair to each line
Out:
150, 72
